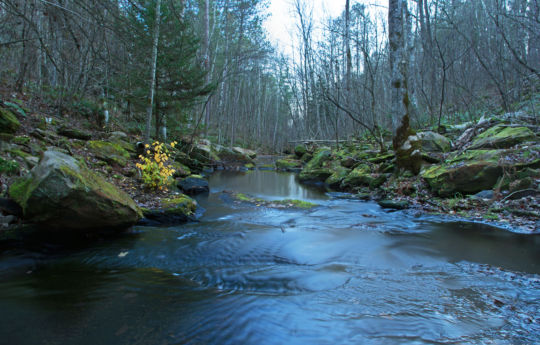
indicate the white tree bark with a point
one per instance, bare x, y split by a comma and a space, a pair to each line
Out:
153, 72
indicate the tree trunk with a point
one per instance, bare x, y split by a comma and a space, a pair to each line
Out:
153, 73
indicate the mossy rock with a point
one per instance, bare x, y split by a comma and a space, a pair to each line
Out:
359, 176
231, 156
175, 210
112, 153
245, 152
180, 170
61, 193
8, 122
381, 158
319, 158
306, 157
73, 133
286, 203
288, 164
502, 136
434, 142
467, 173
315, 175
338, 175
300, 150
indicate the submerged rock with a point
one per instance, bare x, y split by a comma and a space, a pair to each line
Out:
393, 204
194, 184
61, 193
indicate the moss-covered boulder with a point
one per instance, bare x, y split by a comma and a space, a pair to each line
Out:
300, 150
315, 175
61, 193
246, 152
434, 142
73, 133
288, 164
194, 165
320, 156
359, 176
230, 156
175, 210
180, 170
339, 173
502, 136
467, 173
8, 122
194, 184
204, 153
111, 153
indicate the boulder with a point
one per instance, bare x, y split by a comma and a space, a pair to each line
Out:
501, 136
300, 150
434, 142
73, 133
249, 153
180, 170
112, 153
315, 175
393, 204
175, 210
118, 135
8, 122
61, 193
467, 173
194, 184
229, 156
359, 176
288, 164
319, 158
339, 173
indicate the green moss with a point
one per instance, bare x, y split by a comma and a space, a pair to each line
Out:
181, 204
8, 122
9, 167
243, 197
20, 190
297, 203
285, 164
319, 157
110, 152
249, 166
22, 140
19, 153
502, 136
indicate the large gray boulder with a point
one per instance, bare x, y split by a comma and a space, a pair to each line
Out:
61, 193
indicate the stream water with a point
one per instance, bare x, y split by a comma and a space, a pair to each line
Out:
346, 272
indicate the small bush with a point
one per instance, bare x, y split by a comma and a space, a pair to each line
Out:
155, 167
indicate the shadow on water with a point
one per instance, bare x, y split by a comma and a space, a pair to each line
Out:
345, 272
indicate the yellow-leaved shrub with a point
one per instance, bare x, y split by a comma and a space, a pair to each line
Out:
155, 166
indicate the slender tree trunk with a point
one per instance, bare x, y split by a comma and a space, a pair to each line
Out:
153, 73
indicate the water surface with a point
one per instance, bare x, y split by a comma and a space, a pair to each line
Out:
346, 272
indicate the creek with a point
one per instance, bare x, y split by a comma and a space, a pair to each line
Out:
345, 272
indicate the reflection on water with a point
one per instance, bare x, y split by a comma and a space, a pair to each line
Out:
268, 184
344, 273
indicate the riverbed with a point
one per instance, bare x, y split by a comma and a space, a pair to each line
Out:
344, 272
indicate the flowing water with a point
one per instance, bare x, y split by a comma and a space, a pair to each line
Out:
346, 272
